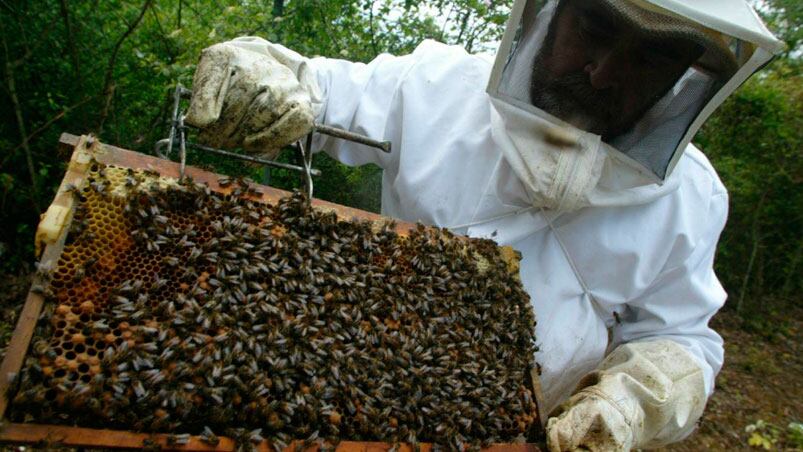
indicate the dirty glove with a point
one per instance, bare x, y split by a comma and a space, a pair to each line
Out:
244, 96
644, 394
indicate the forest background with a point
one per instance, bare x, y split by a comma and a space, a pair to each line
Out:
107, 67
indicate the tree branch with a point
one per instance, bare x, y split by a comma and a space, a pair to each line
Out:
325, 23
44, 127
756, 236
373, 32
5, 5
65, 16
446, 22
463, 25
791, 269
168, 48
12, 90
278, 8
41, 40
108, 79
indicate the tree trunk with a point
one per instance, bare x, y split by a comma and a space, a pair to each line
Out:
76, 67
108, 79
792, 277
11, 86
756, 237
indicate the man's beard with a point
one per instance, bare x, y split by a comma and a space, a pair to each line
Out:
572, 98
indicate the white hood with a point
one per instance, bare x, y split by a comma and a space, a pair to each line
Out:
565, 168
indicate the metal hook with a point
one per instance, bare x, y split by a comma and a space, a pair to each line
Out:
306, 157
182, 147
178, 93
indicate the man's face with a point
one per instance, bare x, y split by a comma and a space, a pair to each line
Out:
601, 74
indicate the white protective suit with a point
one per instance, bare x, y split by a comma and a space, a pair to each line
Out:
638, 272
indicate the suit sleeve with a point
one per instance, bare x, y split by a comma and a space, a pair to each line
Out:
685, 295
361, 98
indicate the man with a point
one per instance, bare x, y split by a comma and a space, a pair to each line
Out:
577, 155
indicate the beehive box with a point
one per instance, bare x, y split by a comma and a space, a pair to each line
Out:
174, 305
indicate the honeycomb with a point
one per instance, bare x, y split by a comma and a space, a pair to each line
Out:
173, 308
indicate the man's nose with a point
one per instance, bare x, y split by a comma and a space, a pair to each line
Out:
606, 67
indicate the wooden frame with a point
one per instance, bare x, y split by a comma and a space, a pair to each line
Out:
50, 246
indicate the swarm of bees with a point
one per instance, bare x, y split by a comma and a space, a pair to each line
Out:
177, 309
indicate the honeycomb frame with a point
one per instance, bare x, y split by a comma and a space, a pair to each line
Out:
86, 356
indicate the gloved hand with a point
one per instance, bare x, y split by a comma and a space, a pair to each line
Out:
644, 394
244, 98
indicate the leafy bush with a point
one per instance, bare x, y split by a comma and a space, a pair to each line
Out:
755, 141
768, 436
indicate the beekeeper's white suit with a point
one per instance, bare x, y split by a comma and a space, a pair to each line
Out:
618, 267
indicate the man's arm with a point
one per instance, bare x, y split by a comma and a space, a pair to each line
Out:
352, 96
684, 298
652, 388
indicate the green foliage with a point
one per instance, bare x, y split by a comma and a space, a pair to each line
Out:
768, 436
785, 19
753, 359
772, 324
763, 434
356, 187
795, 434
754, 140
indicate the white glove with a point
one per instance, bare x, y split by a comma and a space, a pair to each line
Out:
245, 98
644, 394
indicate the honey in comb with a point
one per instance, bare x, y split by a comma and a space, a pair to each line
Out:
177, 309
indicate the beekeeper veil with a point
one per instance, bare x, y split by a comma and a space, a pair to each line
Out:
595, 100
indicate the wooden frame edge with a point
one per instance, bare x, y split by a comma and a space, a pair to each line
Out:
116, 439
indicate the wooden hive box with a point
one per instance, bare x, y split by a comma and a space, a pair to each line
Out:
81, 352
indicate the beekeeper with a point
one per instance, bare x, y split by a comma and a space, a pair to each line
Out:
574, 148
